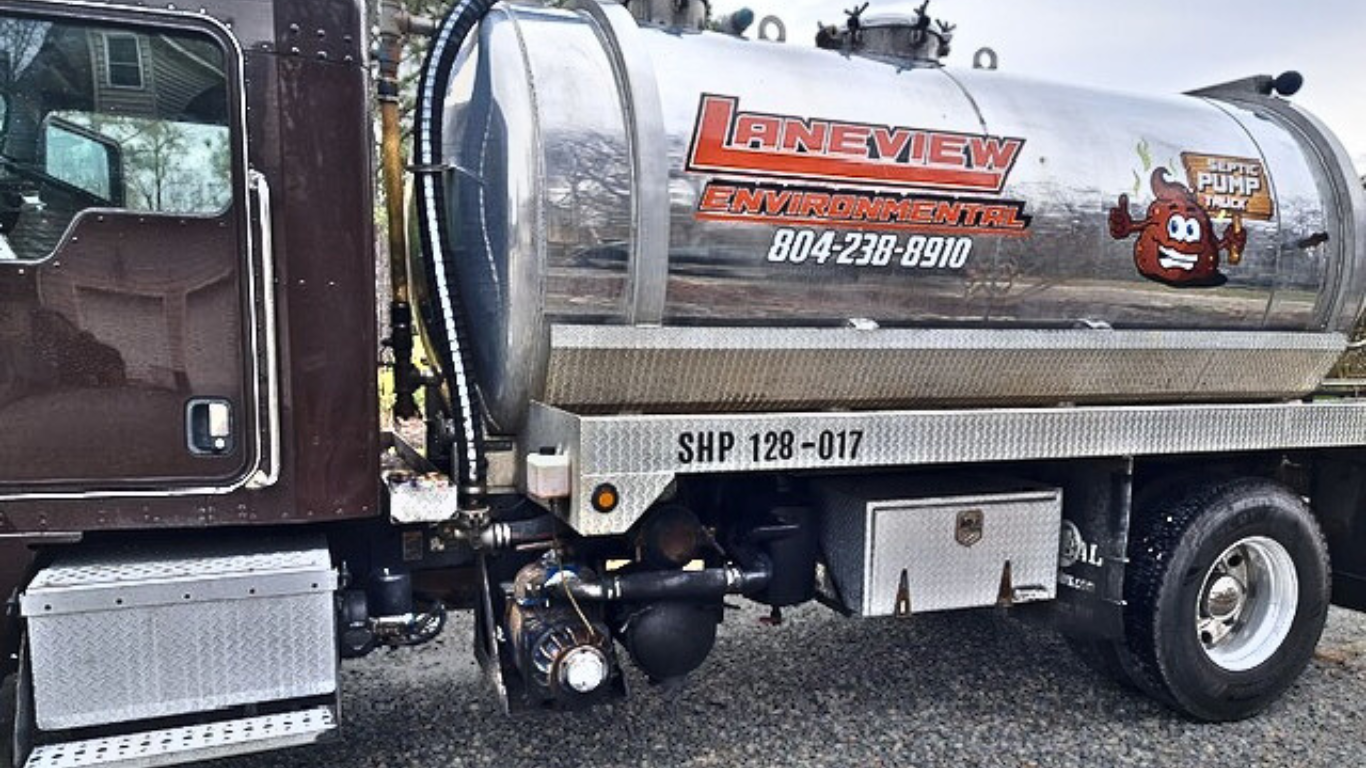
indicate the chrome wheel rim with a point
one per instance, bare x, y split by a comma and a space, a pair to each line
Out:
1247, 604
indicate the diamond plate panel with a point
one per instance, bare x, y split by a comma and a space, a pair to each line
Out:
673, 369
422, 500
132, 566
873, 532
617, 448
636, 492
136, 635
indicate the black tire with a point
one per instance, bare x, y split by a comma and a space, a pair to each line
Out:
1172, 549
1112, 658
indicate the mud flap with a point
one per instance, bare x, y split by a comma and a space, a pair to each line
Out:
1093, 549
1338, 499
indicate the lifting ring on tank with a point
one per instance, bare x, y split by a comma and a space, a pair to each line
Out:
985, 53
773, 21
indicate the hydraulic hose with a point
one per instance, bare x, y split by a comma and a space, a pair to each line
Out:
450, 329
648, 586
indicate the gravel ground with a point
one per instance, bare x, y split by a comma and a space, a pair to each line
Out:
957, 689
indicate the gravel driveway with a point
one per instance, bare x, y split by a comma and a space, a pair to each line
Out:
957, 689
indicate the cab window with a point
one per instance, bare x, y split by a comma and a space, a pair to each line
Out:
99, 116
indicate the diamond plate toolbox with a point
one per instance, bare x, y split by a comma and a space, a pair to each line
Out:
899, 545
133, 634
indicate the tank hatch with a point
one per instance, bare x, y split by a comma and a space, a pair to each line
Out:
916, 40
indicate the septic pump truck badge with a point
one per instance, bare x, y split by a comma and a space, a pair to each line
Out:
1176, 243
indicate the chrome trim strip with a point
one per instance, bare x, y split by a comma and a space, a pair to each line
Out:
264, 478
644, 116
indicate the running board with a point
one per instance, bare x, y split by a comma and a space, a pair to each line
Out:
191, 744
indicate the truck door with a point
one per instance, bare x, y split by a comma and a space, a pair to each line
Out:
129, 351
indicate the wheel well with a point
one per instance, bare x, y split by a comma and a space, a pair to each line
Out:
1334, 482
1155, 477
1338, 497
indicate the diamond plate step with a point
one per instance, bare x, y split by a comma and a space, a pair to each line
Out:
188, 744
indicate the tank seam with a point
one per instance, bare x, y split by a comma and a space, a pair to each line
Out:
1275, 196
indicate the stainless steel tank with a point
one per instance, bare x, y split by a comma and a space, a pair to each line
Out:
647, 219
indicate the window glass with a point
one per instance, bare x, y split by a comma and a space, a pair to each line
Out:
79, 159
123, 61
164, 162
99, 116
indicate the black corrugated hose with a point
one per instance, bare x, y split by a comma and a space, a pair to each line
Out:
449, 328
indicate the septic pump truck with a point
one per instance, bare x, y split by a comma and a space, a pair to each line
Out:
701, 315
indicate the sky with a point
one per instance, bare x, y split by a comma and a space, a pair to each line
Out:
1153, 46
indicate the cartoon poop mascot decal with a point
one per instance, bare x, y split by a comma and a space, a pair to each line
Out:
1176, 243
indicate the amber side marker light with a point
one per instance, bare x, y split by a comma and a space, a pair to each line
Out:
605, 498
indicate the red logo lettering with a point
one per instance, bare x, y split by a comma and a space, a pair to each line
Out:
727, 140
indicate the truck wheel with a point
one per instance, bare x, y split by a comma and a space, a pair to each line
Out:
1227, 593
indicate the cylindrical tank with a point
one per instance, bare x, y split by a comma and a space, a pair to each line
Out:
647, 219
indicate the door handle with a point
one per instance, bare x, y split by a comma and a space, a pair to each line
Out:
209, 427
